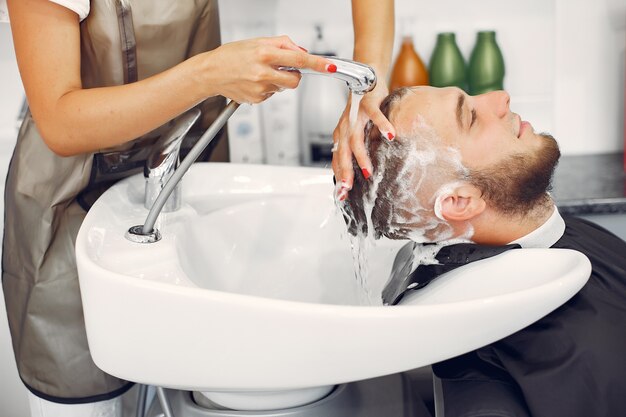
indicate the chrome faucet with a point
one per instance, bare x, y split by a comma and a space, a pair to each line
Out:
146, 233
164, 160
360, 78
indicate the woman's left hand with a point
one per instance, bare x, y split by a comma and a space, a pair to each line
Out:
349, 140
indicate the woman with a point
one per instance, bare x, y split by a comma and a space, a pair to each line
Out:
103, 79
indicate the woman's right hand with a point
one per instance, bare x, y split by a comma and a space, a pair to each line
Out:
75, 120
247, 71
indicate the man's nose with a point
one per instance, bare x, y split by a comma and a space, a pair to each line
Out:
499, 102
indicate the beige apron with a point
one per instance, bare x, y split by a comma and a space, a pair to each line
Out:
46, 195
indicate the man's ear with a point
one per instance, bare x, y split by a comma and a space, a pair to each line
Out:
461, 203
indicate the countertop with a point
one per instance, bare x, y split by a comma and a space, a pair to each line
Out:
590, 184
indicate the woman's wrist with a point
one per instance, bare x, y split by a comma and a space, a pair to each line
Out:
381, 80
198, 76
381, 69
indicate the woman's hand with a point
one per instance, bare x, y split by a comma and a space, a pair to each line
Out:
74, 120
350, 140
373, 22
247, 71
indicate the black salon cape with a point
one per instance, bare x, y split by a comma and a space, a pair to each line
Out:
571, 363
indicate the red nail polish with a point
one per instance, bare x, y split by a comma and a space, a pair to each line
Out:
342, 194
366, 173
331, 68
390, 136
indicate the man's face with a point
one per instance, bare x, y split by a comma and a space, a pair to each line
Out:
482, 127
448, 141
510, 163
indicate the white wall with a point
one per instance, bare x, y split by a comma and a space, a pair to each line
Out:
564, 58
13, 402
589, 81
11, 91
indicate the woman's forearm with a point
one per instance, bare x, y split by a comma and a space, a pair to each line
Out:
71, 119
373, 22
374, 33
75, 120
87, 120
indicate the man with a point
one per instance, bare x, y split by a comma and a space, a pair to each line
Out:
467, 167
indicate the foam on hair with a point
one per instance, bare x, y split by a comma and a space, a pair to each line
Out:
409, 174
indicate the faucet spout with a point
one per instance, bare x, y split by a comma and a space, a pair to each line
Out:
162, 172
146, 233
164, 160
360, 78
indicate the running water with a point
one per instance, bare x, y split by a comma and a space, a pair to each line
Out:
355, 102
361, 245
426, 165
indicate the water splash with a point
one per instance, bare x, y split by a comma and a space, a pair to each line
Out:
355, 102
361, 247
426, 170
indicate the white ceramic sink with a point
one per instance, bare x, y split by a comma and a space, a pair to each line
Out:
252, 290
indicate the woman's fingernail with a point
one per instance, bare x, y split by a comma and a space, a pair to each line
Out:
366, 173
389, 136
331, 67
343, 194
304, 49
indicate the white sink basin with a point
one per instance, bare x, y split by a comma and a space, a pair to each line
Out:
252, 289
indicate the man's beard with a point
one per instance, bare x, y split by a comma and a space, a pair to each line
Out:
520, 183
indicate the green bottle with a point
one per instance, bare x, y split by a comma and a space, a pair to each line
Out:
486, 68
447, 66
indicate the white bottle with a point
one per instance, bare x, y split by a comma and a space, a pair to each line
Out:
280, 128
245, 136
245, 133
322, 101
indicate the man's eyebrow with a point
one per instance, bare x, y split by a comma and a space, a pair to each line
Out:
459, 110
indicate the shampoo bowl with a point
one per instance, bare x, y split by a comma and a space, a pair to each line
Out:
251, 290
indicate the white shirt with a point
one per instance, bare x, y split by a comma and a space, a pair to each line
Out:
80, 7
545, 235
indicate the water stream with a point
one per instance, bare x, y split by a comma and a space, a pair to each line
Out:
427, 165
361, 245
355, 102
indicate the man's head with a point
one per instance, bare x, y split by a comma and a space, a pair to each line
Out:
456, 159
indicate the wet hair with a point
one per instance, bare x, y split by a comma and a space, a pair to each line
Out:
384, 210
513, 187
